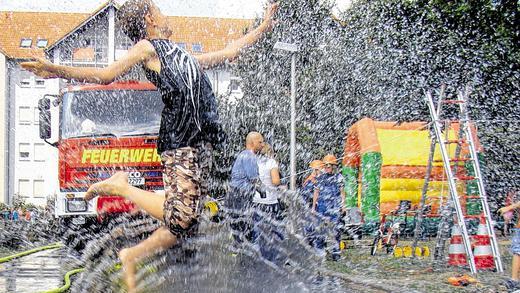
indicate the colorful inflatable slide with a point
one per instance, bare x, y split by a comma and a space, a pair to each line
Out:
385, 163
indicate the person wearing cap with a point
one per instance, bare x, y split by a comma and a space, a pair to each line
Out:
329, 200
307, 195
310, 181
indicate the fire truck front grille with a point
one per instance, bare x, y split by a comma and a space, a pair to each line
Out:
82, 178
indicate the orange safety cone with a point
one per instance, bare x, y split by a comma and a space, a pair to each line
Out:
456, 251
482, 252
482, 229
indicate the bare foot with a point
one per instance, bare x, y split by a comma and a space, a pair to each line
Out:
115, 185
128, 266
124, 256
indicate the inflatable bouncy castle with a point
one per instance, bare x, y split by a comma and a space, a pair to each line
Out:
385, 163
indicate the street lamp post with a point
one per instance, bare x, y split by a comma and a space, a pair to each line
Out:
292, 49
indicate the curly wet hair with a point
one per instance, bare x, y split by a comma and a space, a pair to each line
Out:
130, 17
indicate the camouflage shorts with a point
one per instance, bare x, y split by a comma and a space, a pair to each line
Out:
185, 174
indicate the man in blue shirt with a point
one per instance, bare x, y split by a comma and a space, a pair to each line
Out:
244, 183
244, 175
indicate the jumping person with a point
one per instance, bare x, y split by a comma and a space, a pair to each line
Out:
189, 121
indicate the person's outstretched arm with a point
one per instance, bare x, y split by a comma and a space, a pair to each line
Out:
233, 50
140, 52
509, 208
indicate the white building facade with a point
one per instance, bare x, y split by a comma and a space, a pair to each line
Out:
4, 179
34, 176
31, 165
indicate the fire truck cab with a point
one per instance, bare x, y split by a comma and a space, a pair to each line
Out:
103, 129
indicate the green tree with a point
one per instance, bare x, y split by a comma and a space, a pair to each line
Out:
378, 64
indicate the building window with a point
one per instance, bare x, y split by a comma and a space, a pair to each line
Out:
39, 152
101, 55
127, 43
65, 54
24, 151
122, 41
196, 47
182, 45
39, 188
24, 187
25, 43
25, 115
234, 85
25, 82
36, 115
42, 43
39, 83
83, 55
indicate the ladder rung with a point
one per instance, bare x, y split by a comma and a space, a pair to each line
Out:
460, 159
457, 141
454, 160
466, 178
471, 196
471, 216
453, 102
452, 120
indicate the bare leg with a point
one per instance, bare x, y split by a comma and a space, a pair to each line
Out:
515, 267
151, 202
160, 240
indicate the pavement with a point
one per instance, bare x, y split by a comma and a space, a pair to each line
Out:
37, 272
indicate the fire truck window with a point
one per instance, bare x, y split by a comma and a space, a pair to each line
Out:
115, 112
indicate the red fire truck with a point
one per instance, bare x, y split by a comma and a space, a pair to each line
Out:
102, 129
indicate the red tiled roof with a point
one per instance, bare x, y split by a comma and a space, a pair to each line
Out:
34, 25
212, 33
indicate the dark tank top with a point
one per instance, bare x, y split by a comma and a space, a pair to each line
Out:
190, 115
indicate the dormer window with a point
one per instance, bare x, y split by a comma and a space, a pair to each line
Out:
42, 43
182, 45
26, 43
196, 47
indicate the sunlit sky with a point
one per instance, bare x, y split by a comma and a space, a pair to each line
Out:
209, 8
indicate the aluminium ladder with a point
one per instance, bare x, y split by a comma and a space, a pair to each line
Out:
467, 133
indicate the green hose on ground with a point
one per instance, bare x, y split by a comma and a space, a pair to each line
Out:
47, 247
67, 281
31, 251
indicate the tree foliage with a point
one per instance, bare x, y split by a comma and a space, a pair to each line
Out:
378, 63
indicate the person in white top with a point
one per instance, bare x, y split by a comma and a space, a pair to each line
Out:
269, 176
267, 208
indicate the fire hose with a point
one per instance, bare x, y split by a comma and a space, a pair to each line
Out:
67, 284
